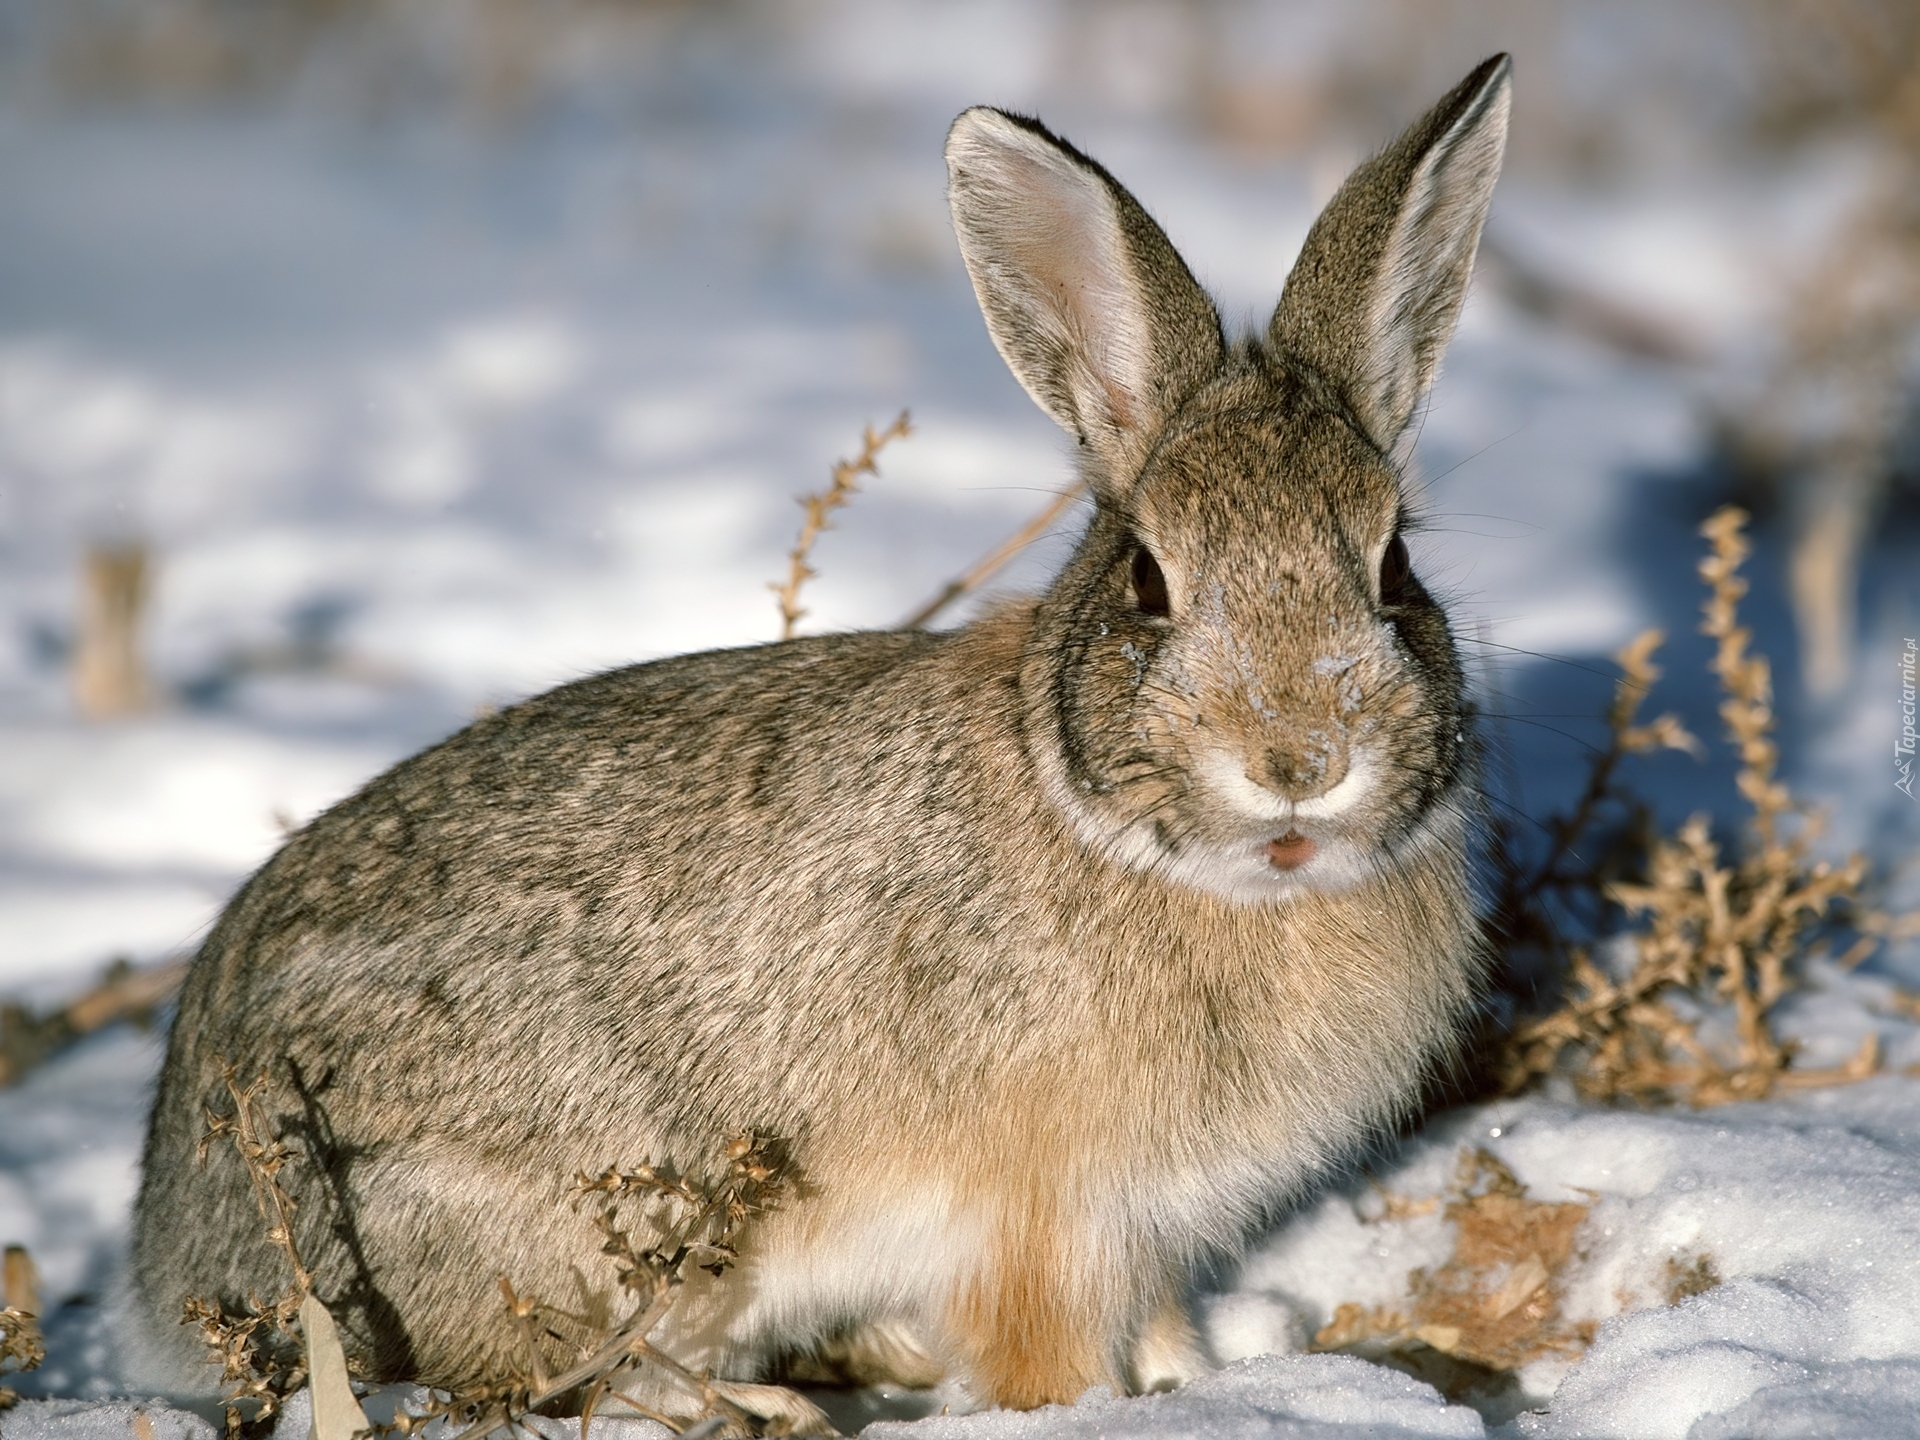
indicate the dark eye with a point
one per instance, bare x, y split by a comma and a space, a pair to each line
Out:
1395, 571
1149, 585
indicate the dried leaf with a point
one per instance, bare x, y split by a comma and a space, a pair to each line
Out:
336, 1412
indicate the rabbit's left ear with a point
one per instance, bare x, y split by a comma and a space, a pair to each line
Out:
1084, 296
1373, 298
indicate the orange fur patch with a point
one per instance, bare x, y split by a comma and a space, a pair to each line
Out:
1032, 1334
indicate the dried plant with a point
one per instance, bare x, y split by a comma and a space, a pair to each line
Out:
125, 992
21, 1345
1498, 1301
990, 564
21, 1348
1706, 934
1683, 1279
1495, 1304
258, 1347
109, 677
1539, 900
693, 1227
819, 509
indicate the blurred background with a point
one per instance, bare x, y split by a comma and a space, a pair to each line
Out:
367, 362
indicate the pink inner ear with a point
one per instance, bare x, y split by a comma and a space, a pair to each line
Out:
1061, 234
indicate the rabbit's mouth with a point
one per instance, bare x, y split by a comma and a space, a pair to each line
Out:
1291, 851
1264, 845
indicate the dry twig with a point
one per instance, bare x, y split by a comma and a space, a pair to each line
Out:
820, 508
1496, 1303
21, 1345
109, 678
696, 1227
1713, 932
258, 1368
124, 993
990, 564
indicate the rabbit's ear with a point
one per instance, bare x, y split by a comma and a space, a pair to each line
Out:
1084, 296
1373, 298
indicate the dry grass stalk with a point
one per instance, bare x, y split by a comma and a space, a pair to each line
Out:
694, 1226
124, 993
256, 1347
19, 1281
1539, 900
1715, 933
1494, 1306
21, 1345
819, 509
109, 679
990, 564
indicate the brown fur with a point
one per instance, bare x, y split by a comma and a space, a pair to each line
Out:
966, 920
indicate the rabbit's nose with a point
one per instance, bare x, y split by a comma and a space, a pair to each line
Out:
1301, 772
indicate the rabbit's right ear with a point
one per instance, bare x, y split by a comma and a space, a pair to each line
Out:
1374, 295
1085, 298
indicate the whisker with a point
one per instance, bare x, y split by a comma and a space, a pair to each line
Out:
1536, 655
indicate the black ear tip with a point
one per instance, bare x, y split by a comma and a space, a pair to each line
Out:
992, 118
1491, 73
1484, 88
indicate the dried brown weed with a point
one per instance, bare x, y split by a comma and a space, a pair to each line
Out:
22, 1347
1707, 933
819, 509
258, 1346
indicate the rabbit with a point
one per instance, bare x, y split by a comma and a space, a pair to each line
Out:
1057, 952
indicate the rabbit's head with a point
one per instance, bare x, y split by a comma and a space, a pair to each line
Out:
1238, 681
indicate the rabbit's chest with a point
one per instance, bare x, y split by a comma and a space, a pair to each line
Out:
1249, 1078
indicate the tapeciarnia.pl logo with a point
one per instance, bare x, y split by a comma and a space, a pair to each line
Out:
1903, 752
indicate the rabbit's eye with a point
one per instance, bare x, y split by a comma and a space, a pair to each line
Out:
1395, 571
1149, 584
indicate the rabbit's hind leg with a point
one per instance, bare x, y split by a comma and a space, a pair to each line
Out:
778, 1410
781, 1411
883, 1352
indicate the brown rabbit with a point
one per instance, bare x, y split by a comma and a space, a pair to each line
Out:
1057, 950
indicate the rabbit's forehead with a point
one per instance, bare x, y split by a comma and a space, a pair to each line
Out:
1293, 487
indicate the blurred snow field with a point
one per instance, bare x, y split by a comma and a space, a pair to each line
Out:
415, 412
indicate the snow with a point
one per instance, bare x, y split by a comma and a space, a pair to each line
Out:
1809, 1210
1295, 1397
420, 417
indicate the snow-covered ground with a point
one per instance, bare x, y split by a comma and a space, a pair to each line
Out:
419, 416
